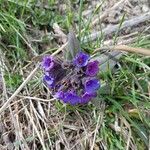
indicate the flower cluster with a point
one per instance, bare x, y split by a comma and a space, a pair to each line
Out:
72, 82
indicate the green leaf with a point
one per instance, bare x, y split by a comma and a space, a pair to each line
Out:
107, 60
73, 46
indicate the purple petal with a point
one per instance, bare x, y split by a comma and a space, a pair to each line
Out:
59, 95
86, 97
92, 85
81, 59
48, 80
92, 68
71, 98
57, 72
47, 63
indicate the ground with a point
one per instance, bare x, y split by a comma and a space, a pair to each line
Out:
119, 118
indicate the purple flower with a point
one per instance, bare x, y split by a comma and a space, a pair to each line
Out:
92, 85
47, 63
92, 68
71, 81
86, 97
81, 59
48, 80
71, 98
